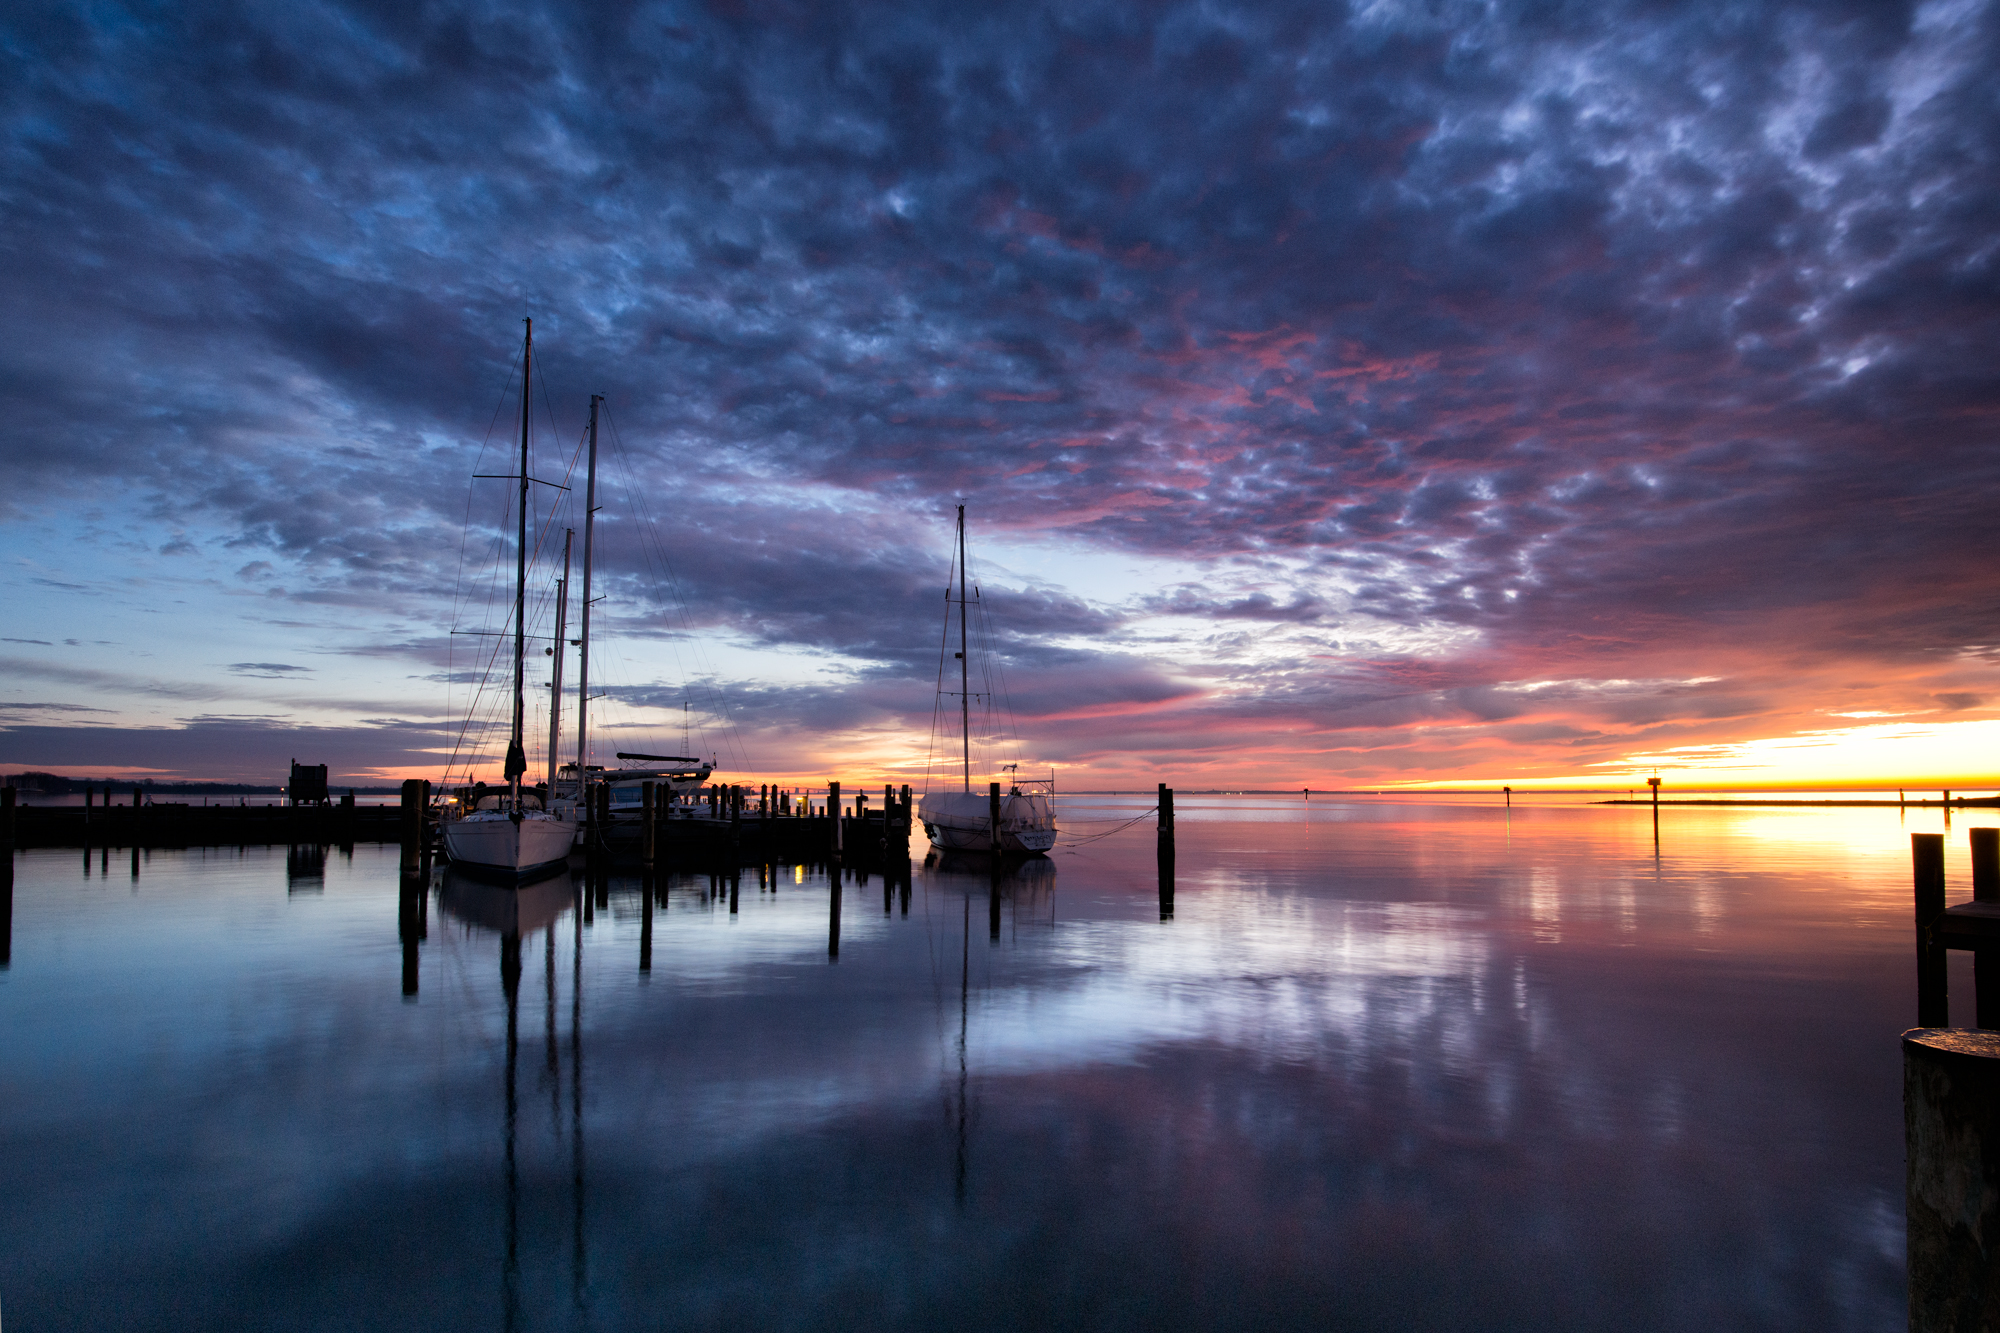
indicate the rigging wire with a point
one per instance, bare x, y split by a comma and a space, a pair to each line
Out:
458, 576
543, 603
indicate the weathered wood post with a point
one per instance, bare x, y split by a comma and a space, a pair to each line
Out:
1986, 957
993, 818
1166, 851
412, 830
735, 830
9, 821
647, 830
1933, 995
1508, 792
833, 813
1951, 1137
428, 836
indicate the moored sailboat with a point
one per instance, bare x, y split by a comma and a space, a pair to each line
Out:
963, 820
512, 838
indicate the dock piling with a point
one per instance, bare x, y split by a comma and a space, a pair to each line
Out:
1986, 957
412, 826
647, 829
993, 825
1951, 1134
1933, 994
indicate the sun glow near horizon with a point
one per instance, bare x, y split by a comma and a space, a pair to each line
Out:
1876, 756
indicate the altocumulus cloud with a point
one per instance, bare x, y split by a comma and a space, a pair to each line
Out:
1430, 353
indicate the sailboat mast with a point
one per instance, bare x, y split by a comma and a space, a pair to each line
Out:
964, 675
517, 756
561, 647
583, 657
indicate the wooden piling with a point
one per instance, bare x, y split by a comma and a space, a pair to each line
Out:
412, 825
648, 831
1933, 994
7, 820
1951, 1135
993, 821
1986, 957
833, 813
1166, 851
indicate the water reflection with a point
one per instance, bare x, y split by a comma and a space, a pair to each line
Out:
305, 868
514, 914
1381, 1068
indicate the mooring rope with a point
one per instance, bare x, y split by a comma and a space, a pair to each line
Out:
1078, 842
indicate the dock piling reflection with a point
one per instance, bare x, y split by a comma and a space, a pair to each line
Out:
646, 924
833, 914
410, 930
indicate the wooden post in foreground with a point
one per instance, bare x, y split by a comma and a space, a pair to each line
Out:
1933, 995
1166, 852
1951, 1136
833, 813
647, 795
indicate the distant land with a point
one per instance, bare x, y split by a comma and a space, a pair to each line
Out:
55, 784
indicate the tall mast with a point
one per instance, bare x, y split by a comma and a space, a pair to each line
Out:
517, 756
583, 659
561, 647
964, 678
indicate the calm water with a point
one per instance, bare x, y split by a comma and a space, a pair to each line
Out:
1389, 1065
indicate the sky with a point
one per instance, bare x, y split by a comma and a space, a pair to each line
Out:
1340, 395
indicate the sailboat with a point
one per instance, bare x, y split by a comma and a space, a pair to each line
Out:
963, 820
511, 838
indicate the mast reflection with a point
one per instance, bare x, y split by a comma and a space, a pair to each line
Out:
514, 914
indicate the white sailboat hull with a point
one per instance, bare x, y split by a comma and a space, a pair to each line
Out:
499, 843
963, 822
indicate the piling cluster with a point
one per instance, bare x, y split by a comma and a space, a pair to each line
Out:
1951, 1100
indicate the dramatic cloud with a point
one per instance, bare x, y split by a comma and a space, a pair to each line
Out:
1338, 393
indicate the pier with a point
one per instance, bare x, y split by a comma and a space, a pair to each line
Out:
140, 823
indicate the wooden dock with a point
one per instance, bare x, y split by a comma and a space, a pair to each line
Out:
174, 825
